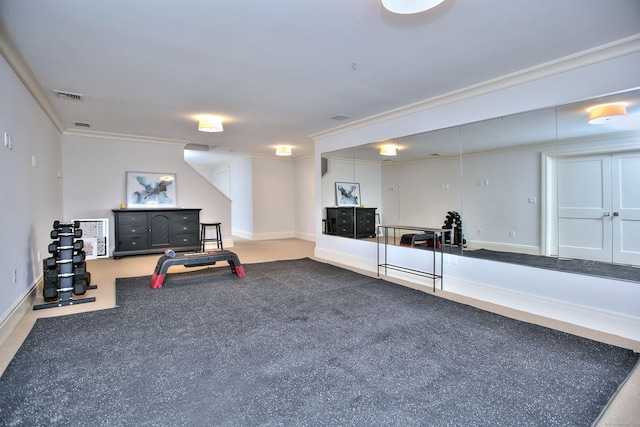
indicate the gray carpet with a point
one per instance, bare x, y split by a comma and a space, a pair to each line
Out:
302, 343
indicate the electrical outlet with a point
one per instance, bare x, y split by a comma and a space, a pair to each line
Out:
8, 141
532, 199
486, 182
34, 161
512, 234
480, 231
39, 256
15, 276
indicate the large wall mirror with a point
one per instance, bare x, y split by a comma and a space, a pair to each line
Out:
543, 187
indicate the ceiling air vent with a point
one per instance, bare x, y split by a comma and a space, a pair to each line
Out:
82, 125
340, 117
197, 147
68, 95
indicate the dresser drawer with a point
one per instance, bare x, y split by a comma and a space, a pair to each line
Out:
185, 227
131, 218
191, 239
132, 243
366, 214
344, 221
133, 229
181, 217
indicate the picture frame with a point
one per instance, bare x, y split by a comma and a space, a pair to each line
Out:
151, 190
348, 194
95, 232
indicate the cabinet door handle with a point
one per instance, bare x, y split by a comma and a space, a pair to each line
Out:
607, 214
616, 214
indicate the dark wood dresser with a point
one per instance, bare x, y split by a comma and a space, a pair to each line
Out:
351, 222
148, 231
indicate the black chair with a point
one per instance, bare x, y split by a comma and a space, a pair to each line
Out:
203, 235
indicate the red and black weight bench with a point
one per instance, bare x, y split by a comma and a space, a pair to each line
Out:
197, 259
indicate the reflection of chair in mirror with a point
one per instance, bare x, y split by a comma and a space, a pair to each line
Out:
328, 226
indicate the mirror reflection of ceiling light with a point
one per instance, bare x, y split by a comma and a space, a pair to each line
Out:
607, 113
210, 124
388, 150
406, 7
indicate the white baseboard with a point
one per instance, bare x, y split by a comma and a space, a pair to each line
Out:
17, 311
264, 236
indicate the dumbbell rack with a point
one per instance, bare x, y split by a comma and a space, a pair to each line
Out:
452, 220
65, 272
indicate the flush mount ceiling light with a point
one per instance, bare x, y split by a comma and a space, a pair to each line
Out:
388, 150
407, 7
607, 113
283, 150
210, 124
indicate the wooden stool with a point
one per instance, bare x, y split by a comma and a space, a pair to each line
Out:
203, 235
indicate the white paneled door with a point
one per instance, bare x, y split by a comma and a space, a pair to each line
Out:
625, 174
599, 208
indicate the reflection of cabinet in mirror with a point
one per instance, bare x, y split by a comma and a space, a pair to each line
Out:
351, 222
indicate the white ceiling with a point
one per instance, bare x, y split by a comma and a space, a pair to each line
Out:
277, 71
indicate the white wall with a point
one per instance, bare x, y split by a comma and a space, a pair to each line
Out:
304, 199
273, 198
94, 171
31, 196
597, 303
241, 192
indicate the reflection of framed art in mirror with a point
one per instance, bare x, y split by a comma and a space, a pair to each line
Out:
348, 194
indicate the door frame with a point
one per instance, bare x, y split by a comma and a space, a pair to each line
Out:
549, 241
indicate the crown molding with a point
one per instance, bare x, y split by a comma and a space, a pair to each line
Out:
16, 60
592, 56
121, 136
